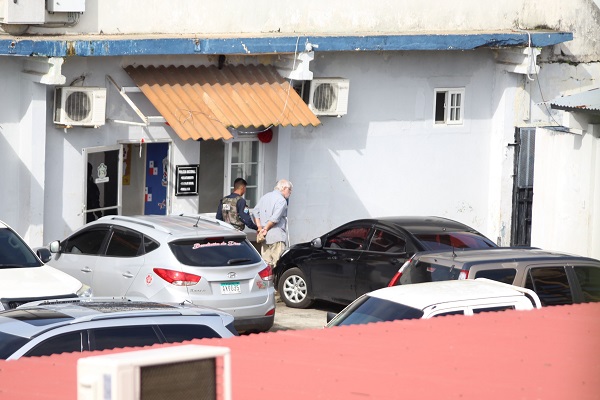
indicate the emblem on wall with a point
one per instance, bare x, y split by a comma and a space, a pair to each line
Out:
102, 178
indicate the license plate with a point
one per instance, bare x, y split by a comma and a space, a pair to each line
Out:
231, 288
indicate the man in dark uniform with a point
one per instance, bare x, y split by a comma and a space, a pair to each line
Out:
233, 209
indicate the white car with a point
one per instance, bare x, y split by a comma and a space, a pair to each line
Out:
435, 299
175, 259
25, 278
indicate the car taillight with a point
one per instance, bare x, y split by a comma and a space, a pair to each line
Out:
270, 312
177, 278
267, 273
395, 279
463, 274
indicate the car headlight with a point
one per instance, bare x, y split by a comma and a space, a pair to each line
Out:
84, 291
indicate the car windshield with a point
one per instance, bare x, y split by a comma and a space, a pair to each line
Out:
14, 252
372, 309
454, 240
215, 252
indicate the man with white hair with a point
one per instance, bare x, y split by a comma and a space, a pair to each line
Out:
270, 215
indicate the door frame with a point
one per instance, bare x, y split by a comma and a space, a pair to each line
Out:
102, 149
227, 179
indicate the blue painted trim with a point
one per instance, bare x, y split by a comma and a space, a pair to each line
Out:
63, 47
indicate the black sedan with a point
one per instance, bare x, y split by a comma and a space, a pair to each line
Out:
363, 255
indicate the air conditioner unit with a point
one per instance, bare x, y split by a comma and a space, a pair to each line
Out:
174, 372
79, 106
329, 96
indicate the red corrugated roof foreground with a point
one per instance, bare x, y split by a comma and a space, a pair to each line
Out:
552, 353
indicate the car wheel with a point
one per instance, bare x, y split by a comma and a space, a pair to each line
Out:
294, 289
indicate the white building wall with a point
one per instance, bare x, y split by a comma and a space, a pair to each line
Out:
566, 187
65, 168
386, 157
389, 114
22, 150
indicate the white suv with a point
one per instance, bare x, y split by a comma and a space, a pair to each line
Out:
24, 277
173, 258
435, 299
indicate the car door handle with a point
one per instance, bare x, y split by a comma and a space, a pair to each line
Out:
86, 269
348, 259
127, 274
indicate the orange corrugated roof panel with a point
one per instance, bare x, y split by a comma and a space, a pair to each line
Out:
202, 102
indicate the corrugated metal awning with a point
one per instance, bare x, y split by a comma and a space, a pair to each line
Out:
202, 102
584, 101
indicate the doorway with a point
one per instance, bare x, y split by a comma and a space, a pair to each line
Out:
145, 179
102, 187
127, 179
523, 187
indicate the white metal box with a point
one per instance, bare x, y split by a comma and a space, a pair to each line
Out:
65, 5
329, 96
22, 12
80, 106
174, 373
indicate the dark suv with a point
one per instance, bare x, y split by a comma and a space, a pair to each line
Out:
557, 278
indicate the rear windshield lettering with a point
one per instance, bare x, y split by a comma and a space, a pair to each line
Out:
229, 243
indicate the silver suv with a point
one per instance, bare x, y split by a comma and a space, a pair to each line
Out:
60, 326
557, 278
173, 258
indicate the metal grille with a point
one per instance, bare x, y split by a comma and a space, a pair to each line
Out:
325, 97
526, 157
523, 187
181, 381
78, 106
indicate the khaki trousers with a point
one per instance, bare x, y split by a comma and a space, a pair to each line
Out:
271, 252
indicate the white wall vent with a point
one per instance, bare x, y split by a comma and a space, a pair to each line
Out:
174, 372
79, 106
329, 96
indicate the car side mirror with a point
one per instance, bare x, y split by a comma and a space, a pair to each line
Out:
44, 254
54, 246
316, 243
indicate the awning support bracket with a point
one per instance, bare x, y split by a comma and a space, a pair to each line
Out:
146, 120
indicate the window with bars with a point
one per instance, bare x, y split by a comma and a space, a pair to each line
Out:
449, 106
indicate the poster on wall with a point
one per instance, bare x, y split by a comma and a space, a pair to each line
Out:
157, 178
186, 181
126, 164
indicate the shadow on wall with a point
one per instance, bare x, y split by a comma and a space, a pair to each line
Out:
18, 187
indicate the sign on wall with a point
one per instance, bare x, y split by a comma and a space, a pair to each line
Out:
186, 180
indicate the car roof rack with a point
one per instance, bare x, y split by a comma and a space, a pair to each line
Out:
135, 220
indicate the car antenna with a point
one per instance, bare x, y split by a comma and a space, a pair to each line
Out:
198, 220
453, 253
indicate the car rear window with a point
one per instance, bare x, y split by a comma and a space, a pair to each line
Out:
589, 281
372, 309
551, 285
504, 275
422, 271
215, 252
454, 240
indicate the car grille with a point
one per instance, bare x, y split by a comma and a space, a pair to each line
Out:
10, 304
